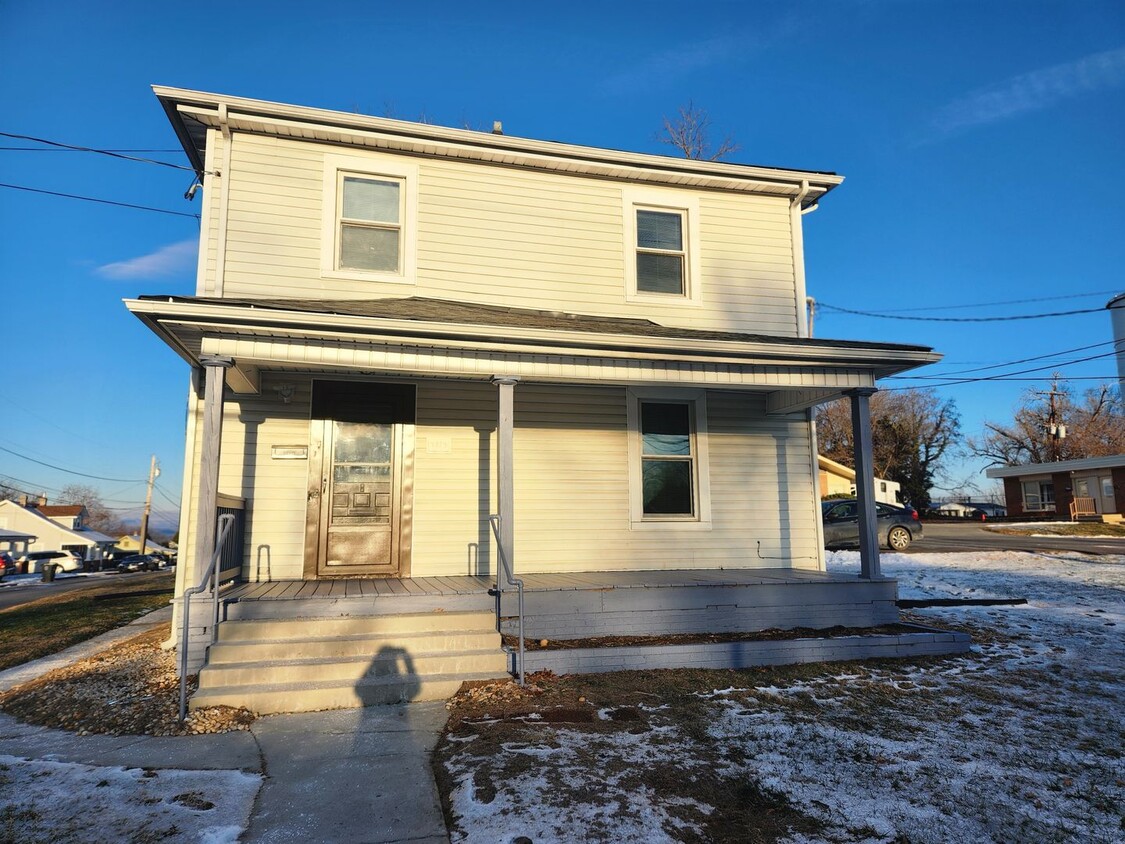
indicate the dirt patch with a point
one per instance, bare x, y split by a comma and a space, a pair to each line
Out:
129, 689
772, 635
1062, 529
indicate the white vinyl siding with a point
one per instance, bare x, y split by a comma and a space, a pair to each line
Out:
493, 235
572, 502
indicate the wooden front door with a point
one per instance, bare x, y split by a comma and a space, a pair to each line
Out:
360, 460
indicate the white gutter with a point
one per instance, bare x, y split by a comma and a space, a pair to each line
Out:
224, 203
210, 316
798, 242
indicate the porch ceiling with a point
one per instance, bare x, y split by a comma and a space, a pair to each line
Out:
430, 338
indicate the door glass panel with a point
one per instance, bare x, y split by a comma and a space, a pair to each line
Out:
361, 473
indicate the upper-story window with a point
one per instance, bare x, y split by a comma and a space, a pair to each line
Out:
369, 219
370, 234
661, 229
661, 252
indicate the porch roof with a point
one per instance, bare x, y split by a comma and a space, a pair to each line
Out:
424, 337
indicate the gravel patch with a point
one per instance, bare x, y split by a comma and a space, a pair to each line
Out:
129, 689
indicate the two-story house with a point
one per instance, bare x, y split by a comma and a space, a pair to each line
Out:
400, 330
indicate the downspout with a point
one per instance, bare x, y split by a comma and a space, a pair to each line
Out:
224, 202
795, 212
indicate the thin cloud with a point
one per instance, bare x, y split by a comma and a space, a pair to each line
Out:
666, 66
174, 259
1033, 91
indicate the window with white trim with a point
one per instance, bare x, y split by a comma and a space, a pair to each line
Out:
661, 252
668, 468
661, 232
369, 237
370, 208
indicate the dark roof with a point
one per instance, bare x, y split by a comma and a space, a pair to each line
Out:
60, 509
463, 313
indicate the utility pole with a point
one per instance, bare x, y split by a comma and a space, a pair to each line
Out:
152, 473
1055, 431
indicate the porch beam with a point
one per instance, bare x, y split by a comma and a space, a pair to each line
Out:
215, 368
780, 402
505, 474
865, 482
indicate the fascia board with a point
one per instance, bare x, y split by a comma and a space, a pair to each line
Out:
426, 138
535, 341
1110, 462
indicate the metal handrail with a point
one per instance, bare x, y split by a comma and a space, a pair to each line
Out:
226, 521
494, 520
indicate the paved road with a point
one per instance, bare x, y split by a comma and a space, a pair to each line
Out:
12, 594
972, 536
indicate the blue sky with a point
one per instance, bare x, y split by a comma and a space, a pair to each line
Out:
982, 145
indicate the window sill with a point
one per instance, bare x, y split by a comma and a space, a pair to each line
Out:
360, 275
690, 525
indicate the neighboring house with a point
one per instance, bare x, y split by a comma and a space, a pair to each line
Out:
401, 329
132, 545
15, 542
838, 479
56, 528
1090, 486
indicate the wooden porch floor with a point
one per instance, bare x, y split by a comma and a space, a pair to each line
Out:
391, 587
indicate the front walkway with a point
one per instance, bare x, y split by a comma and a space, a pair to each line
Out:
342, 776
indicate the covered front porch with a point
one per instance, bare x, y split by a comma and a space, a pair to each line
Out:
503, 450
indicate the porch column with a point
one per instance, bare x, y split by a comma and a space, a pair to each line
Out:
215, 368
865, 482
505, 495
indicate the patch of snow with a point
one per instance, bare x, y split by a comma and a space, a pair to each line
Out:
46, 800
1019, 740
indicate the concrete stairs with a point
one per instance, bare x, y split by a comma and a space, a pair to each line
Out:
306, 664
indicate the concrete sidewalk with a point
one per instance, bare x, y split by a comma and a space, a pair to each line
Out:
356, 775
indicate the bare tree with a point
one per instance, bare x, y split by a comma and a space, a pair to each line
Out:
1094, 426
689, 132
912, 433
98, 516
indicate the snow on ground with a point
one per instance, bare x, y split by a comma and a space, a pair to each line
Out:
62, 801
1020, 740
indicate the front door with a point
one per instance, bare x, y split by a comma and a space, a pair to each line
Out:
360, 460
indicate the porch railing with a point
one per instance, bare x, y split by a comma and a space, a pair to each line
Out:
211, 575
506, 569
230, 563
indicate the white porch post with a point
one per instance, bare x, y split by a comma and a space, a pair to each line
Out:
215, 368
505, 477
865, 482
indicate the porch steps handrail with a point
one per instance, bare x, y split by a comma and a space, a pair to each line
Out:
511, 580
226, 522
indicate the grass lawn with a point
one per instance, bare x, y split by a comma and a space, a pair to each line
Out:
52, 623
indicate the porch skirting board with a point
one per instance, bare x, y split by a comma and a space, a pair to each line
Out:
924, 642
732, 607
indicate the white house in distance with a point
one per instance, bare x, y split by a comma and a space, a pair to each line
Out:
838, 479
56, 527
419, 352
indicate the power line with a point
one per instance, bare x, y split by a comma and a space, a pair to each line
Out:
822, 305
102, 201
67, 149
166, 496
110, 153
71, 471
1024, 360
1054, 365
1010, 302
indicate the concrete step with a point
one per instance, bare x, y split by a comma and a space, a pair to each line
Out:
338, 606
281, 671
337, 694
317, 627
243, 650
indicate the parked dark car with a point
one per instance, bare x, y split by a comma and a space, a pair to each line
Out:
139, 562
7, 564
897, 526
